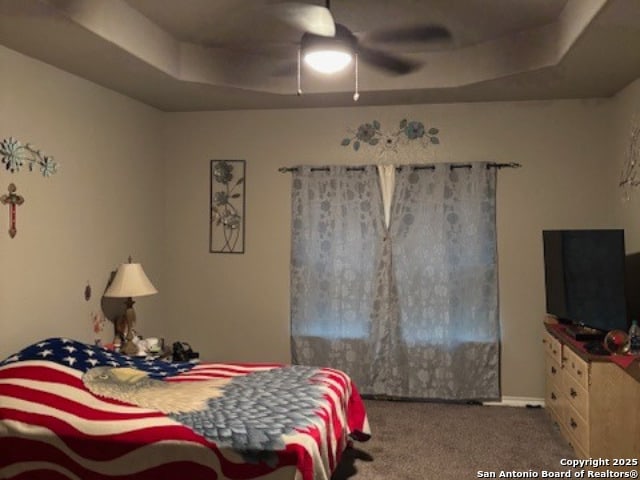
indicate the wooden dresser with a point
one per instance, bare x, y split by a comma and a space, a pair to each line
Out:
595, 402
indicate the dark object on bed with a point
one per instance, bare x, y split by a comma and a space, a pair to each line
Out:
182, 352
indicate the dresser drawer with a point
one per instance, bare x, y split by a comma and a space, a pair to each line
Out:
578, 429
576, 367
553, 371
554, 401
576, 396
552, 346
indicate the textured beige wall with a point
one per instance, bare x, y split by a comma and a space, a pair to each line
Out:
235, 307
105, 203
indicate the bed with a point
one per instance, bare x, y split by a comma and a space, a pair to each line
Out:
69, 410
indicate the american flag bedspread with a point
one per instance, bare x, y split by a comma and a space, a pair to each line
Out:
69, 410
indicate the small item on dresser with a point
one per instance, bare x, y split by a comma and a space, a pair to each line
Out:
596, 347
634, 338
617, 342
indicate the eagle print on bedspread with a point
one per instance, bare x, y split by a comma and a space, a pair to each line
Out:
248, 413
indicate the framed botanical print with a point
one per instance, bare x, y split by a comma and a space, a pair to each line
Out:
227, 204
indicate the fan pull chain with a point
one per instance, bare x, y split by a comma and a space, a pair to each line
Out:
299, 72
356, 95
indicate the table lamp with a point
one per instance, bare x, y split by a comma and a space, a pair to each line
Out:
130, 281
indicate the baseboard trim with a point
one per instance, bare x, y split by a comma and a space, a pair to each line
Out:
517, 402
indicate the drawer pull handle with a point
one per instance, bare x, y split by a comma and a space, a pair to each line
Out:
564, 359
573, 424
579, 372
553, 396
573, 393
553, 370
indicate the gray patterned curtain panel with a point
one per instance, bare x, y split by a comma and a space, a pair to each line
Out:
409, 310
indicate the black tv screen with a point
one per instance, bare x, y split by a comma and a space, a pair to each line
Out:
585, 277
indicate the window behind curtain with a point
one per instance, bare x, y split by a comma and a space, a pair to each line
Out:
335, 236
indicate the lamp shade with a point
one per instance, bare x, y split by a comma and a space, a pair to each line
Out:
130, 281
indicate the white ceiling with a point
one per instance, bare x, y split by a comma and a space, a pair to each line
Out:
186, 55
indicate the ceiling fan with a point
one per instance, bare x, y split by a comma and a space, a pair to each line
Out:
323, 35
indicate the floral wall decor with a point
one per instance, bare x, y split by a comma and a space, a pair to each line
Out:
226, 229
15, 154
408, 132
629, 175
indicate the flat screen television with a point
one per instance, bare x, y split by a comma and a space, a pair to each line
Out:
585, 278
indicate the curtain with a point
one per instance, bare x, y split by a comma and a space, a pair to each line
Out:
337, 233
410, 309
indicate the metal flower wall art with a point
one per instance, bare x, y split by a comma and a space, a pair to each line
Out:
15, 154
226, 232
409, 132
629, 177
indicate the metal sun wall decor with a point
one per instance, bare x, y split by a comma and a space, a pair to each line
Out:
226, 229
14, 155
629, 176
409, 132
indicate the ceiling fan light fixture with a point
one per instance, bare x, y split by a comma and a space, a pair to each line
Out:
327, 54
328, 61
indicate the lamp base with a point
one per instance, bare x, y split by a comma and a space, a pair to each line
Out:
124, 329
129, 348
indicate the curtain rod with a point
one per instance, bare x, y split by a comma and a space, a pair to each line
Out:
399, 167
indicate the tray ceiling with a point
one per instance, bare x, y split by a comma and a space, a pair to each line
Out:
191, 55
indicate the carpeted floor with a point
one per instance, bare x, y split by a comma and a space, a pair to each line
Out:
441, 441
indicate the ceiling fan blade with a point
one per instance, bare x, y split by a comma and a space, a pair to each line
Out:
285, 69
308, 18
417, 33
387, 61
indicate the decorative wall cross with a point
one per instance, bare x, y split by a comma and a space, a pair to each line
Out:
12, 199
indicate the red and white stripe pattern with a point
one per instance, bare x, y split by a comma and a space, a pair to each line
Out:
52, 427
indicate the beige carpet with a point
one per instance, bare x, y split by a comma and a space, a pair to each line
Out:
441, 441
